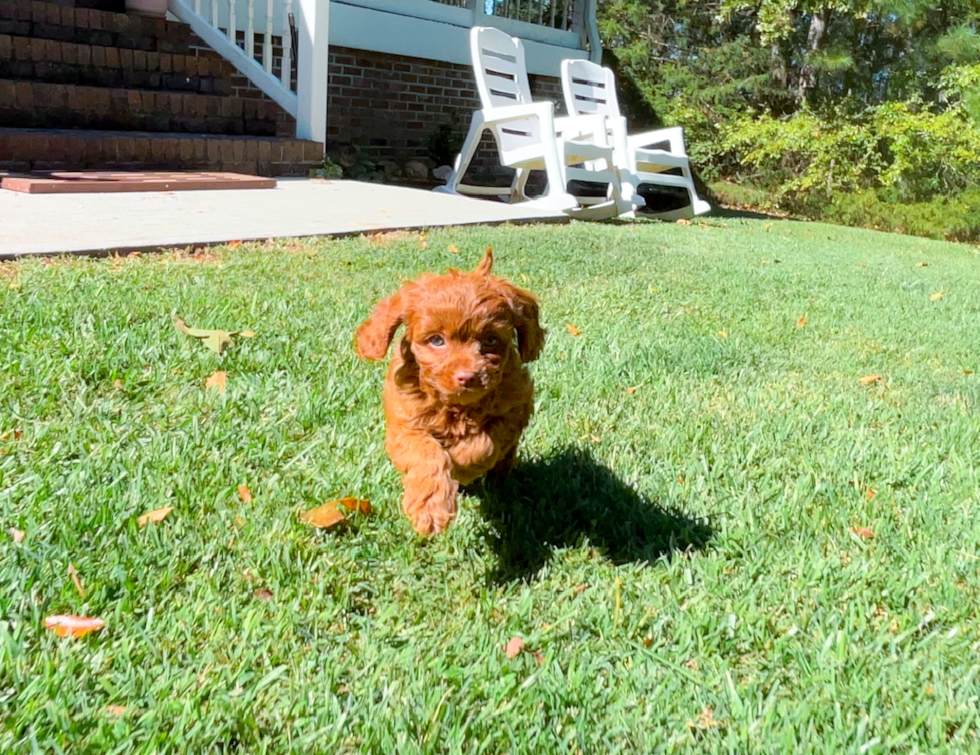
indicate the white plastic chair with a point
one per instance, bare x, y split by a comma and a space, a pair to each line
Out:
529, 137
590, 90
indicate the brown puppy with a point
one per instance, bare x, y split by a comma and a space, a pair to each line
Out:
457, 395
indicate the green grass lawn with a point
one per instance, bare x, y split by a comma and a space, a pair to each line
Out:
677, 548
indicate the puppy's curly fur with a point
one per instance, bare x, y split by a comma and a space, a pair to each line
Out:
457, 396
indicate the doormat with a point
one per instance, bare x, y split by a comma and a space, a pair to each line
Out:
94, 181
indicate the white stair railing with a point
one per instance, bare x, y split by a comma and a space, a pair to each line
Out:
270, 67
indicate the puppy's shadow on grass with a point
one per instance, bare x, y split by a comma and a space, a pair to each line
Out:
570, 498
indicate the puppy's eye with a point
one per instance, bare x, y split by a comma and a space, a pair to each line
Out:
435, 341
491, 342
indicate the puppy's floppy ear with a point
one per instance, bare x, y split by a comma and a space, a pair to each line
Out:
486, 264
524, 306
374, 335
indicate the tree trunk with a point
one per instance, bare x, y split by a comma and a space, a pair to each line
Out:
814, 43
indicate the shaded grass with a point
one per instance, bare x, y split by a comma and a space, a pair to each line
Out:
697, 461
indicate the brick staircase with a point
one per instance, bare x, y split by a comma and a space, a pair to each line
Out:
84, 88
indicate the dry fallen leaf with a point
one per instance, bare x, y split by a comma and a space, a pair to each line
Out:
74, 626
323, 516
922, 264
631, 390
871, 493
73, 573
383, 237
683, 221
937, 296
864, 532
967, 372
453, 249
648, 641
514, 647
217, 380
705, 720
234, 244
539, 657
680, 480
422, 242
359, 505
573, 330
116, 710
117, 384
155, 516
871, 379
579, 589
263, 594
17, 535
801, 322
245, 494
929, 690
723, 334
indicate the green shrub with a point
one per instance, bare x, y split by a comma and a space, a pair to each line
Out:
955, 218
898, 153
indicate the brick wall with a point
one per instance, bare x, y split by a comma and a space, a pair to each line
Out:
390, 105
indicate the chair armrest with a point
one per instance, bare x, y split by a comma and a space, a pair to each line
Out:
541, 110
574, 126
673, 135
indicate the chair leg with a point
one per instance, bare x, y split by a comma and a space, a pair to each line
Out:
519, 184
463, 159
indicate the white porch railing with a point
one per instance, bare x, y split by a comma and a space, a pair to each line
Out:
257, 37
260, 38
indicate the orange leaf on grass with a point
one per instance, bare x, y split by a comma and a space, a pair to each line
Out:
234, 244
922, 264
156, 516
359, 505
514, 647
217, 380
865, 533
453, 249
723, 334
73, 626
263, 594
801, 322
539, 657
17, 535
116, 710
937, 296
871, 493
323, 517
573, 330
245, 494
871, 379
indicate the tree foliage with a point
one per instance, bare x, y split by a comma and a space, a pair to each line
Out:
809, 98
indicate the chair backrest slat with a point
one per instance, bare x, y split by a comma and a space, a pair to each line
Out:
501, 79
588, 88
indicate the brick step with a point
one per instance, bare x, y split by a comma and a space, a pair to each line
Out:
94, 65
67, 23
23, 150
38, 104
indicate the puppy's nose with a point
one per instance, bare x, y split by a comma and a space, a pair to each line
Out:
465, 378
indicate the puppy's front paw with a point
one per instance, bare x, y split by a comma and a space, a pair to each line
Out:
430, 503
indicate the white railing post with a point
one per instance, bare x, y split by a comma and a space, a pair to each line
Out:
313, 20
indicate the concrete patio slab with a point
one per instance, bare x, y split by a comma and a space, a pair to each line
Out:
48, 224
